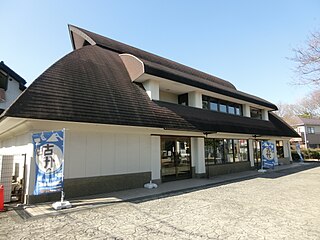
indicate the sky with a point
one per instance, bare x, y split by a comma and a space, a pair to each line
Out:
246, 42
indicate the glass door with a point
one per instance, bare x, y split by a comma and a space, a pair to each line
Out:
257, 153
175, 158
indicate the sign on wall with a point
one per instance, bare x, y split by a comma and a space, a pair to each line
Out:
268, 154
49, 160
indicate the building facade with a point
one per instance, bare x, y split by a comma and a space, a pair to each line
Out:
11, 86
131, 116
309, 131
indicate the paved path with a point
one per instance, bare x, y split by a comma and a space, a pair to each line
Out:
279, 205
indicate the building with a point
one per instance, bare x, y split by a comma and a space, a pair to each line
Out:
309, 130
11, 86
131, 117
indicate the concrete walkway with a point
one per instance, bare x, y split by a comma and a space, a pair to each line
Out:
139, 194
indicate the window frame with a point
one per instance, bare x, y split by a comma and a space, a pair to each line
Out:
221, 106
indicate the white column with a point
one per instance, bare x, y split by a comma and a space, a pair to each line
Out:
286, 149
155, 158
152, 89
195, 99
251, 153
246, 110
197, 155
265, 114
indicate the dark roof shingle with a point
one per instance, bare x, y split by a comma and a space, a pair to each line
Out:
91, 85
165, 68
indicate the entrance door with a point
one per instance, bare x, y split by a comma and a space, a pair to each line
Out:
257, 153
175, 158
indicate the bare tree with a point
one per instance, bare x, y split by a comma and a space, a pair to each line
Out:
308, 107
308, 61
287, 111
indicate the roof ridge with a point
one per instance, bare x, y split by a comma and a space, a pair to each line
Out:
116, 46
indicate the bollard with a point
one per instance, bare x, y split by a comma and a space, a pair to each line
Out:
1, 198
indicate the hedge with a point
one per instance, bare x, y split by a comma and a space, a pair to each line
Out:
307, 154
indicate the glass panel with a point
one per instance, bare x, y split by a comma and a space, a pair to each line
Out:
238, 111
213, 106
228, 150
222, 107
310, 129
243, 150
257, 153
209, 151
237, 157
205, 104
183, 99
183, 162
231, 110
256, 113
167, 158
279, 145
219, 157
175, 158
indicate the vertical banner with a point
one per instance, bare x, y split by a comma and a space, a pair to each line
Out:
299, 152
268, 155
49, 160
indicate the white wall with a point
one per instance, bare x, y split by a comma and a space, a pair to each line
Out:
155, 157
168, 97
91, 154
195, 99
246, 110
251, 152
12, 93
197, 155
16, 146
152, 89
265, 114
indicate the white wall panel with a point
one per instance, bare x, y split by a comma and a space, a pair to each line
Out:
121, 161
155, 157
77, 155
93, 154
108, 154
133, 153
145, 153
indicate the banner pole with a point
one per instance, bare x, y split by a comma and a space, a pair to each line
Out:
62, 204
63, 145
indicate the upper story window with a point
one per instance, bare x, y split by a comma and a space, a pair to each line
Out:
255, 113
183, 99
310, 130
218, 105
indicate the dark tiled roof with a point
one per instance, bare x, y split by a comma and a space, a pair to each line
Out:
92, 85
146, 56
165, 68
209, 121
14, 75
306, 121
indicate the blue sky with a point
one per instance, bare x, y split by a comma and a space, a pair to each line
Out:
245, 42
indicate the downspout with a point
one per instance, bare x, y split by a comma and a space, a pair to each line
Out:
305, 137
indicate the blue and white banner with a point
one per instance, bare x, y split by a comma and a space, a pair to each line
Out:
49, 160
268, 155
299, 152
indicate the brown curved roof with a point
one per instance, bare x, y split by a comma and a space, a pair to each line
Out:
92, 85
165, 68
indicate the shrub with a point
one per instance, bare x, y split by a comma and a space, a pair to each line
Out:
311, 153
